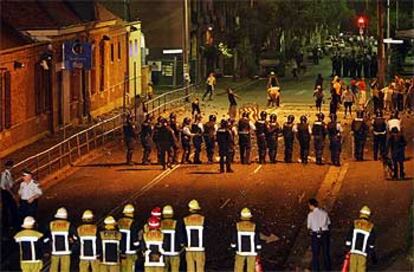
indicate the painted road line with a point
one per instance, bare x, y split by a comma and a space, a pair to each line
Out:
257, 169
225, 203
300, 92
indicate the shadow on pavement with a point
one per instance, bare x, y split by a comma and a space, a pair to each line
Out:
205, 173
134, 169
102, 164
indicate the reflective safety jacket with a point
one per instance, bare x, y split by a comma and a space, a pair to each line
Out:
110, 240
361, 237
171, 240
154, 253
194, 232
87, 234
62, 235
129, 231
246, 240
31, 245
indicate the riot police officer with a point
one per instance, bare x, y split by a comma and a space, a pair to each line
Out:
272, 134
288, 138
303, 134
245, 143
224, 139
176, 129
156, 128
210, 129
146, 139
379, 130
186, 140
130, 135
335, 139
261, 125
319, 134
197, 129
166, 143
360, 130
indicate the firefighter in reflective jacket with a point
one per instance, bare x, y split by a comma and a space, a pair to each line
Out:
62, 235
194, 238
246, 243
31, 246
110, 239
261, 125
360, 242
171, 243
129, 242
87, 234
379, 129
319, 133
360, 131
153, 251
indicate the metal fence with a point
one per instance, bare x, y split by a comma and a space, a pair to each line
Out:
73, 148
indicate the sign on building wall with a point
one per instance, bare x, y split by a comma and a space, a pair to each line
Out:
77, 55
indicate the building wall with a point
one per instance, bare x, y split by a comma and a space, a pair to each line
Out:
27, 125
134, 65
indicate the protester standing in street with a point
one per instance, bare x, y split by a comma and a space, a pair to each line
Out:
396, 146
379, 131
211, 84
348, 99
232, 103
318, 94
9, 214
29, 194
318, 224
130, 135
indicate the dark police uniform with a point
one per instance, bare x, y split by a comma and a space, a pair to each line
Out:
360, 130
379, 129
209, 139
89, 247
319, 134
166, 143
272, 134
177, 132
288, 137
224, 139
146, 141
129, 243
130, 140
186, 143
396, 145
110, 240
335, 142
261, 139
245, 143
31, 250
197, 130
304, 136
155, 138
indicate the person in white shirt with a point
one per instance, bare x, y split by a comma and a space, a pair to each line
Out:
9, 214
394, 121
318, 225
29, 193
211, 83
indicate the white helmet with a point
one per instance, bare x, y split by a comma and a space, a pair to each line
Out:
28, 222
61, 213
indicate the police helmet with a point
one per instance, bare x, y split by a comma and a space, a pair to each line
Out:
173, 115
187, 120
332, 116
273, 117
159, 119
263, 115
212, 118
198, 117
303, 119
378, 113
320, 116
290, 118
245, 114
360, 114
223, 123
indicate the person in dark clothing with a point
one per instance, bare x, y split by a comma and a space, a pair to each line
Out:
359, 61
245, 127
352, 66
318, 82
197, 129
177, 133
335, 140
345, 65
318, 94
166, 142
261, 125
195, 107
186, 140
360, 130
379, 131
224, 141
288, 137
334, 63
319, 134
272, 135
130, 136
367, 65
303, 134
232, 102
146, 139
155, 130
209, 137
396, 147
338, 65
374, 65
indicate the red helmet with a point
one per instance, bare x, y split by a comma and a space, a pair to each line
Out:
156, 212
154, 223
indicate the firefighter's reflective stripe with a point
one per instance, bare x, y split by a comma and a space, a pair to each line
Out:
105, 243
128, 249
380, 132
31, 240
355, 234
191, 246
55, 236
250, 235
83, 241
171, 235
148, 262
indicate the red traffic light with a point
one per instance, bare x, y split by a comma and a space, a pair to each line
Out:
361, 20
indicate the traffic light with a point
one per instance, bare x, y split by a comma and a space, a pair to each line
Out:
361, 22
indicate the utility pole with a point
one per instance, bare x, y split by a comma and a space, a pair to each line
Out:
381, 51
186, 51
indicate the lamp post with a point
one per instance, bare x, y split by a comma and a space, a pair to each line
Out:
381, 55
186, 51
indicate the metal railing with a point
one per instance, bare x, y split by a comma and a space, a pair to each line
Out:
68, 151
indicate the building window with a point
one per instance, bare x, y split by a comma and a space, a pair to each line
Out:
42, 90
5, 100
112, 52
119, 51
131, 49
136, 47
102, 66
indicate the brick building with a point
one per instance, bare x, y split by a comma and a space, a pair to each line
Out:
39, 94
